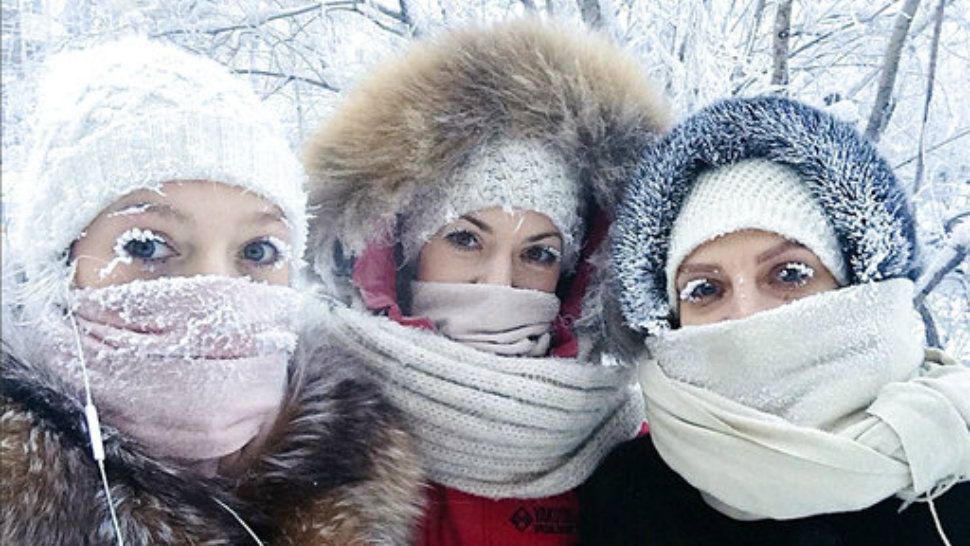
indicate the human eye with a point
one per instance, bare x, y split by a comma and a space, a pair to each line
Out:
264, 251
463, 239
544, 255
144, 245
792, 275
700, 291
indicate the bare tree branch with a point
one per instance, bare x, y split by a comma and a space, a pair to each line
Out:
271, 74
957, 136
841, 28
882, 108
529, 5
218, 30
779, 69
591, 12
930, 81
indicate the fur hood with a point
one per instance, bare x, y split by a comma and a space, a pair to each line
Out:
859, 195
417, 120
337, 469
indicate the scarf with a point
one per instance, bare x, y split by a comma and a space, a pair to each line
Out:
822, 405
495, 319
496, 426
195, 369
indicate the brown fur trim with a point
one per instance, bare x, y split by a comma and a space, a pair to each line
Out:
417, 120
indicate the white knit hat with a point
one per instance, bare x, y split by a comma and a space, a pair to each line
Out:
512, 174
752, 194
131, 115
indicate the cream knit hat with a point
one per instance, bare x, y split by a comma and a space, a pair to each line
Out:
752, 194
134, 114
514, 175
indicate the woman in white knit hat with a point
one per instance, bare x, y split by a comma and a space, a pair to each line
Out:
153, 387
766, 251
460, 195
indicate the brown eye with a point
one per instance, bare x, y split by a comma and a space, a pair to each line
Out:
793, 275
543, 255
700, 291
463, 240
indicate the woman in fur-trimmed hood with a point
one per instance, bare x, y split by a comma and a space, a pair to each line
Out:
766, 251
460, 195
159, 384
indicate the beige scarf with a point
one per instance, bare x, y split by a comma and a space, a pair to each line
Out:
823, 405
493, 318
496, 426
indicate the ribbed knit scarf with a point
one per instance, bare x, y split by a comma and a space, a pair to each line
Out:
496, 426
823, 405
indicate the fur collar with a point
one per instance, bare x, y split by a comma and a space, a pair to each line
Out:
338, 466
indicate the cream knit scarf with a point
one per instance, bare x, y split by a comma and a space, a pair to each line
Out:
823, 405
496, 426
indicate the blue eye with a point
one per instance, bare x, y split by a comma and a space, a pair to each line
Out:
699, 291
794, 274
544, 255
463, 240
146, 246
262, 252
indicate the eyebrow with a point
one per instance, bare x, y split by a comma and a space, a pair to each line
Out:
698, 268
478, 223
147, 207
776, 250
264, 217
541, 236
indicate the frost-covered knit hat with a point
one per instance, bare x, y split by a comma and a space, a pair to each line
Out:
843, 173
514, 175
751, 194
133, 114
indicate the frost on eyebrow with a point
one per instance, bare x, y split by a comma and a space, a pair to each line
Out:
137, 208
121, 255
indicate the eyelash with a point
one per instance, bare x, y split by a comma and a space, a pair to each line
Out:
804, 271
280, 252
554, 254
126, 244
454, 236
688, 292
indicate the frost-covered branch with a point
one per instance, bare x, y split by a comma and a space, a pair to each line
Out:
591, 12
293, 12
780, 38
955, 137
272, 74
947, 259
930, 81
882, 108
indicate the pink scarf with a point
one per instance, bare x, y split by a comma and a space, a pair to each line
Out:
193, 368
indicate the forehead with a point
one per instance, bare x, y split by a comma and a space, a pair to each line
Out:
188, 200
740, 246
517, 220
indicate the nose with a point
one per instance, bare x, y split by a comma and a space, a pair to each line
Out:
746, 299
498, 270
211, 263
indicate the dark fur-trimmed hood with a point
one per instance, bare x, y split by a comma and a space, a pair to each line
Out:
338, 468
855, 187
418, 119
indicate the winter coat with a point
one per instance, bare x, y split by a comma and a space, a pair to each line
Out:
337, 469
634, 498
414, 124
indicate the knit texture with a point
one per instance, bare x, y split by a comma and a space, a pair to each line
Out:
842, 171
514, 175
751, 194
133, 114
495, 426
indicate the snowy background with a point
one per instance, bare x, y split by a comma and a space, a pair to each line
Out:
900, 69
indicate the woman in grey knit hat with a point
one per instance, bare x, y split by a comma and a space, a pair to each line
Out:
460, 196
766, 253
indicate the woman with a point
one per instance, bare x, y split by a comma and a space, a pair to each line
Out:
160, 237
459, 195
767, 251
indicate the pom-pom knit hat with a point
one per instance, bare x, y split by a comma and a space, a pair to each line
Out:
134, 114
843, 173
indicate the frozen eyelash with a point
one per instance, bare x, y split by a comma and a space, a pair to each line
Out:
121, 255
284, 249
686, 294
806, 271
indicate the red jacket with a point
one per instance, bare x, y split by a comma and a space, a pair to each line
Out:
454, 518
